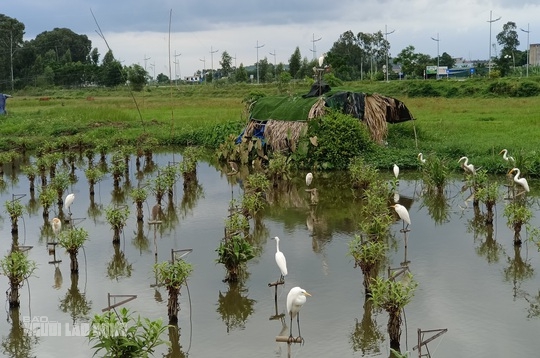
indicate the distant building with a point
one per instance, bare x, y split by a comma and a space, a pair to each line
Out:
534, 55
193, 79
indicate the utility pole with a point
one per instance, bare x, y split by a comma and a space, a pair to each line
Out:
386, 33
212, 62
258, 47
491, 20
145, 59
204, 68
437, 39
527, 31
275, 70
176, 62
313, 50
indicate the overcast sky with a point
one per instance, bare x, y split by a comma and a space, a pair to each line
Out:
200, 30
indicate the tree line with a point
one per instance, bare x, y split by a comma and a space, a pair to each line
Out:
63, 58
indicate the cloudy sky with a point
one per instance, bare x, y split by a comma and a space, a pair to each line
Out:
200, 30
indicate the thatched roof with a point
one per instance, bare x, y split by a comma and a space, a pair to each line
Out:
281, 120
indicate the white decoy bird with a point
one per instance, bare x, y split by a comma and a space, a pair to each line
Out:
403, 215
469, 168
295, 300
421, 158
68, 201
396, 171
506, 157
321, 59
56, 226
518, 180
280, 261
309, 178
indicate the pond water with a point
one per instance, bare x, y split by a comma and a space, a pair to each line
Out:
473, 282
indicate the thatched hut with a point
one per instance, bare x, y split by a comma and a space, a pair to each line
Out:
278, 121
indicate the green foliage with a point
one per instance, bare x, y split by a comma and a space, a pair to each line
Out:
375, 215
367, 251
340, 138
73, 239
253, 202
136, 76
236, 223
362, 174
121, 335
279, 166
256, 182
435, 172
117, 216
17, 267
392, 295
234, 252
190, 156
14, 208
173, 274
94, 175
138, 194
47, 196
517, 214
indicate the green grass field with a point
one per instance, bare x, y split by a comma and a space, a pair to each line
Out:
204, 115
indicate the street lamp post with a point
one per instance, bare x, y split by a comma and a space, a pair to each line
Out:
258, 47
203, 60
386, 33
313, 49
275, 69
491, 20
527, 31
437, 39
212, 62
176, 62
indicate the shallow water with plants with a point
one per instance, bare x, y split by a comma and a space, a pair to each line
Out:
472, 279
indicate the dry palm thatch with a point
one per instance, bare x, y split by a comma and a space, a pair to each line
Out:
283, 135
375, 116
318, 109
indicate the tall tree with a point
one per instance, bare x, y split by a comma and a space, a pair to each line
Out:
446, 60
345, 57
111, 71
11, 38
241, 75
508, 39
226, 64
295, 62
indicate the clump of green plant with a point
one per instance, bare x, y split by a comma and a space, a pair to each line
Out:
340, 138
361, 173
517, 214
93, 175
139, 195
117, 218
15, 210
72, 240
435, 173
256, 182
122, 335
368, 255
375, 219
17, 268
279, 167
172, 275
488, 194
392, 296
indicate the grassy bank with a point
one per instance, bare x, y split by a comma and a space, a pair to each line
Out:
477, 126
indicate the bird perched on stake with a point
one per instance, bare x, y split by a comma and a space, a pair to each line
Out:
469, 168
295, 300
56, 226
321, 59
421, 158
518, 180
280, 261
309, 179
506, 157
68, 201
403, 215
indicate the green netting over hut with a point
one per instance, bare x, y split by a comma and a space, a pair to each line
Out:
278, 120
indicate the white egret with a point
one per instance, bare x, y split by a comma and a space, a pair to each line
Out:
321, 59
309, 178
396, 171
280, 261
68, 201
421, 158
518, 180
56, 226
506, 157
295, 300
469, 168
403, 215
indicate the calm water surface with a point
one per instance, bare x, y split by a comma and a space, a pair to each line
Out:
478, 286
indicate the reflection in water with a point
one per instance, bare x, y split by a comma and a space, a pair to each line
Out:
518, 269
140, 239
489, 248
367, 336
437, 206
175, 349
75, 302
118, 266
234, 306
19, 342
